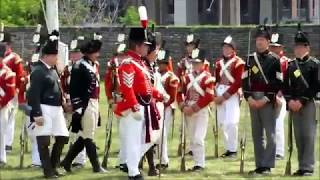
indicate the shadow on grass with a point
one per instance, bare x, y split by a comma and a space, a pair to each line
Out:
247, 176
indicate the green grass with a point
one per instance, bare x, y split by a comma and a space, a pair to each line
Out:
215, 169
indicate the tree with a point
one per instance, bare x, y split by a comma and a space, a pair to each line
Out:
20, 12
131, 16
72, 12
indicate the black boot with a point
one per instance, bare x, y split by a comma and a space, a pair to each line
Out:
150, 158
43, 148
74, 150
93, 156
56, 153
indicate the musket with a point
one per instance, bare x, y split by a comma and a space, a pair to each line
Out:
110, 116
161, 143
173, 119
290, 148
181, 127
216, 135
243, 140
183, 144
23, 143
104, 163
22, 55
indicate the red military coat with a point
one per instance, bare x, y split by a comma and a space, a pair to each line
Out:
229, 72
7, 85
199, 90
284, 62
134, 81
15, 63
170, 84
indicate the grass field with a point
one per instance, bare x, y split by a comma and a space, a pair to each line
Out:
215, 169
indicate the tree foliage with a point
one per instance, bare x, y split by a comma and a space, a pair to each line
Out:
20, 12
131, 16
73, 12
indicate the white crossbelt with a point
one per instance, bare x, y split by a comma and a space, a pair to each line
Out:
142, 69
163, 82
2, 93
224, 69
7, 58
194, 82
260, 68
90, 68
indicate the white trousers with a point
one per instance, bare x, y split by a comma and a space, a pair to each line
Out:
3, 128
228, 114
11, 121
90, 119
155, 134
82, 156
167, 124
280, 142
122, 154
35, 157
131, 131
197, 128
54, 122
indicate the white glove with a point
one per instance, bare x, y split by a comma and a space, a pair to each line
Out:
137, 115
125, 113
166, 97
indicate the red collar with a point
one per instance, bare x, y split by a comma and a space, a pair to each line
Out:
198, 73
281, 54
230, 56
133, 54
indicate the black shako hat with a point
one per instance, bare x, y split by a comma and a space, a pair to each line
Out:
301, 37
138, 35
91, 44
198, 55
52, 43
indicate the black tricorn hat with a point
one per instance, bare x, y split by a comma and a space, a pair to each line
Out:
301, 37
51, 46
198, 55
138, 35
91, 45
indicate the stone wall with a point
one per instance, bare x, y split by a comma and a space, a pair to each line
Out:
211, 39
